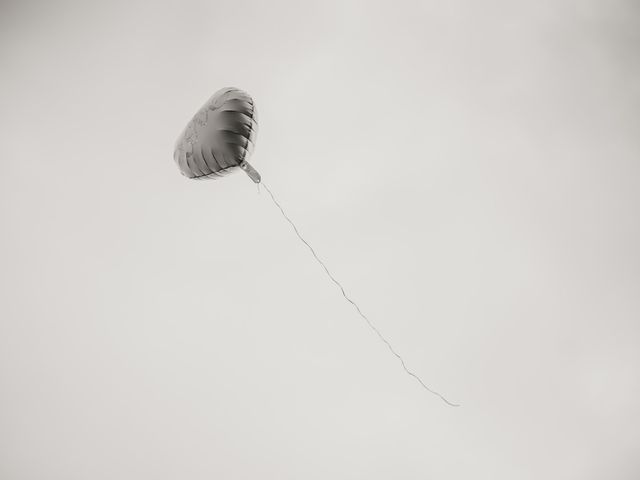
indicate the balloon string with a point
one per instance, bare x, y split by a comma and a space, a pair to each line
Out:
369, 322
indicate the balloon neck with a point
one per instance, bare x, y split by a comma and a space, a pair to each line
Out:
252, 172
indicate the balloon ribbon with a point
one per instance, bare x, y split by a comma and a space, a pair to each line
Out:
344, 294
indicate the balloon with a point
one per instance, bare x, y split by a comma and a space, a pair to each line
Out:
218, 140
220, 137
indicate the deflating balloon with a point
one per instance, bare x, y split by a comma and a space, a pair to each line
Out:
219, 138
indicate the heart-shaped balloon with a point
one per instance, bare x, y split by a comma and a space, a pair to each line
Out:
220, 137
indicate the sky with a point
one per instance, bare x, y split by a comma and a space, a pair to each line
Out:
468, 170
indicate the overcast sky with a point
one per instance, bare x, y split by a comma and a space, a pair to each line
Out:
470, 171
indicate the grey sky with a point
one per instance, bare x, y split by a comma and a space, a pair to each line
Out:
468, 170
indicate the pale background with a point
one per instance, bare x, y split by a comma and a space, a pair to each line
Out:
469, 170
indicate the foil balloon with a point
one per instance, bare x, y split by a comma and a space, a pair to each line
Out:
220, 137
219, 140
